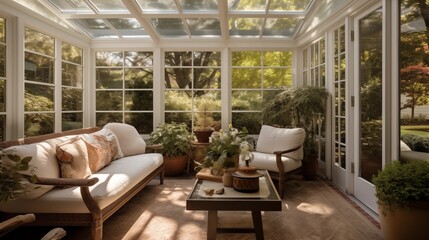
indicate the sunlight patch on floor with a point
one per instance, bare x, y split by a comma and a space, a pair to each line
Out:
315, 208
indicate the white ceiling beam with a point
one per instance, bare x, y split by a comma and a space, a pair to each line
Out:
134, 9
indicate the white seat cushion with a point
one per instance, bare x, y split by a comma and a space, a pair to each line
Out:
273, 139
268, 161
114, 180
130, 141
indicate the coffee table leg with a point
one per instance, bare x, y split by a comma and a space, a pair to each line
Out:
257, 225
212, 225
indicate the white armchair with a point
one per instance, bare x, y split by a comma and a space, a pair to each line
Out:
280, 151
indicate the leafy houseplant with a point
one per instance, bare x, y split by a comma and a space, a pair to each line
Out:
175, 139
204, 120
402, 190
12, 177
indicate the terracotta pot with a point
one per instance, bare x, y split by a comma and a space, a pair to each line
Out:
203, 135
405, 222
175, 166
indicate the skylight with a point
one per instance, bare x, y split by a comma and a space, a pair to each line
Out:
172, 19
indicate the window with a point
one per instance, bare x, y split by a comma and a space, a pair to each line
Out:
257, 75
2, 79
39, 112
72, 87
191, 77
124, 89
314, 70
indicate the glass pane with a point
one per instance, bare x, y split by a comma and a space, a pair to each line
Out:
109, 59
138, 59
38, 124
39, 68
370, 76
39, 42
72, 121
251, 121
322, 51
139, 78
128, 27
2, 61
72, 75
138, 100
178, 78
245, 26
143, 122
105, 118
109, 78
246, 58
342, 67
242, 5
38, 98
206, 5
159, 5
277, 58
246, 100
2, 30
284, 27
169, 27
96, 27
342, 39
71, 6
212, 96
72, 99
110, 6
2, 95
178, 58
342, 98
178, 100
414, 81
207, 59
2, 128
277, 77
246, 78
108, 100
207, 78
71, 53
179, 117
289, 5
204, 26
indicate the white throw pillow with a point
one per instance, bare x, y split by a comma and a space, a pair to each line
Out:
273, 139
129, 139
404, 146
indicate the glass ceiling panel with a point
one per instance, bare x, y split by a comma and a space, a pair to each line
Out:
128, 26
204, 26
280, 27
244, 26
192, 5
246, 5
95, 27
71, 6
289, 5
158, 6
110, 5
169, 27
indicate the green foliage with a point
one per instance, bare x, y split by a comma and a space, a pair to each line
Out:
401, 183
174, 137
204, 119
371, 137
416, 142
12, 181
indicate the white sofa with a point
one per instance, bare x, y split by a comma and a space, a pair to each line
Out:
90, 200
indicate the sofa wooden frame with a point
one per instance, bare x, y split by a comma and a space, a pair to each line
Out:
96, 216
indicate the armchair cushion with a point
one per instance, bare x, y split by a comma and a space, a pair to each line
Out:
130, 141
268, 161
273, 139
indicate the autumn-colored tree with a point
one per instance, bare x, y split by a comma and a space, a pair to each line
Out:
415, 86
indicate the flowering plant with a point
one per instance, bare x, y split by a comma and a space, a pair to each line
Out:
223, 145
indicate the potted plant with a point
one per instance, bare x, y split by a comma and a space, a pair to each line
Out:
175, 139
402, 190
301, 107
204, 120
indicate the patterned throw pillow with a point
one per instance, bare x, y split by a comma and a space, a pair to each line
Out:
73, 158
102, 148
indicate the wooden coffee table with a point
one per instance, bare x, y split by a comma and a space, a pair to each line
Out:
268, 200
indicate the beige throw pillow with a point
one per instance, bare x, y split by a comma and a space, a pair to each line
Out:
130, 141
73, 158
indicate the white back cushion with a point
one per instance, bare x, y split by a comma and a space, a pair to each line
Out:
130, 141
273, 139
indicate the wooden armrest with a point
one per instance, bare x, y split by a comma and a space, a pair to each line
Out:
154, 147
286, 151
15, 222
84, 182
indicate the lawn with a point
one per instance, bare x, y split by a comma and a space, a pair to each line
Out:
421, 130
